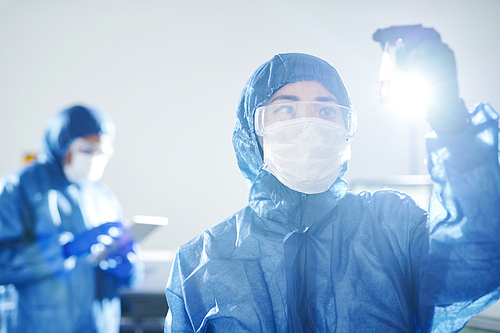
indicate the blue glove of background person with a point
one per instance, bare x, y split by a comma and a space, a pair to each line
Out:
121, 257
120, 265
424, 53
82, 243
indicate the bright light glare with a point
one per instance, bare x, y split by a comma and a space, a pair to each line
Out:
410, 94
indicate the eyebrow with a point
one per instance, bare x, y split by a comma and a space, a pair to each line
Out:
326, 99
296, 99
286, 97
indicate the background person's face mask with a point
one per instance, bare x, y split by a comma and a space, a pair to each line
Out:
306, 154
88, 161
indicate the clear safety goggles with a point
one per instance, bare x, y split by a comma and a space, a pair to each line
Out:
270, 114
102, 148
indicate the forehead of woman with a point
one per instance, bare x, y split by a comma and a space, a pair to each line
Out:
302, 91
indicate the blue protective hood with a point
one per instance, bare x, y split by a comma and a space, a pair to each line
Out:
267, 79
69, 124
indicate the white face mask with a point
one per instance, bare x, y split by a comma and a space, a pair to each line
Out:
306, 154
88, 161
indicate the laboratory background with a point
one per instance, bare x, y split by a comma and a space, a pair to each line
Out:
170, 73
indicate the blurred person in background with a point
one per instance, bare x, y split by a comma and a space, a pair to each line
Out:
306, 255
62, 242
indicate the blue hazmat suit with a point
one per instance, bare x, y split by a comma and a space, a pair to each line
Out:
339, 261
37, 206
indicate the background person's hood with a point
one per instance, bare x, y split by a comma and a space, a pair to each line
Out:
69, 124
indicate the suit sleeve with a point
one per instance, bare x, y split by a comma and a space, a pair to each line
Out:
24, 256
461, 274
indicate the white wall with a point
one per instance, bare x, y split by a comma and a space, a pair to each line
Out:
170, 73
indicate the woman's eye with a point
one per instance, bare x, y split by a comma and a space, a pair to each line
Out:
90, 151
287, 109
328, 111
86, 151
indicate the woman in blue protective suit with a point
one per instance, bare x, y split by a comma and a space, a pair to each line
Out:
62, 244
306, 255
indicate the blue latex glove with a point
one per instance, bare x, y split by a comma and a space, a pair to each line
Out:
423, 52
120, 257
120, 265
84, 241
